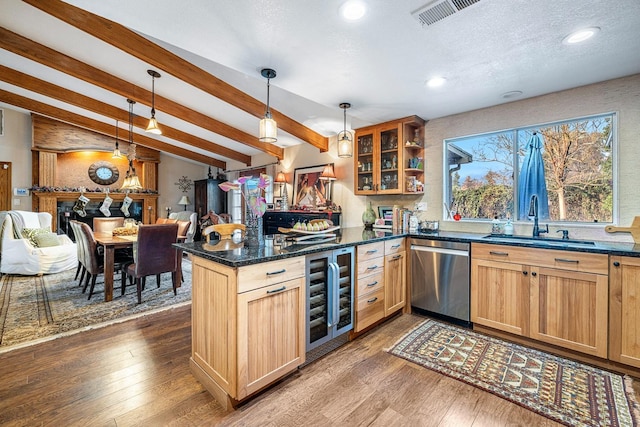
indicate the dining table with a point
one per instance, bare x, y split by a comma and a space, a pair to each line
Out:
110, 244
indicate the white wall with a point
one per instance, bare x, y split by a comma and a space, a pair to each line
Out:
15, 147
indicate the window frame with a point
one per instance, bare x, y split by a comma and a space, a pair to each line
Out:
447, 190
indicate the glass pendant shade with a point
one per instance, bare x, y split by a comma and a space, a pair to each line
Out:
345, 145
345, 138
131, 180
153, 126
268, 130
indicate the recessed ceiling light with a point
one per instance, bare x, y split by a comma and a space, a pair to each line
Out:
580, 35
353, 10
436, 81
512, 94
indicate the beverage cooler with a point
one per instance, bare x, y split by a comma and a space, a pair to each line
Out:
330, 283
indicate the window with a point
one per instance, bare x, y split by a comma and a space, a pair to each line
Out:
486, 175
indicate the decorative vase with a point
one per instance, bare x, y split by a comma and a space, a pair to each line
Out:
254, 233
369, 217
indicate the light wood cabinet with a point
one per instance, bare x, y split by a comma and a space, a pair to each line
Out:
388, 160
381, 282
558, 297
370, 285
246, 336
395, 271
624, 310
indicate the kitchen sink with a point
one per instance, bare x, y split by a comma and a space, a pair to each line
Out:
550, 241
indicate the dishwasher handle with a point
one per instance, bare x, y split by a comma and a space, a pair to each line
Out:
439, 250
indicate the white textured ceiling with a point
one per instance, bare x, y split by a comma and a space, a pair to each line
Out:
379, 64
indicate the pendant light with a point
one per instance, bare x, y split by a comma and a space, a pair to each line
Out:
345, 138
153, 123
116, 151
268, 126
131, 181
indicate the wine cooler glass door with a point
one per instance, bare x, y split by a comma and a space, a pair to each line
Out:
318, 300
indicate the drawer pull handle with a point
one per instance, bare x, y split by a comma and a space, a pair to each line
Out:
525, 273
372, 300
397, 256
271, 273
499, 253
616, 264
573, 261
273, 291
395, 246
372, 284
373, 267
372, 251
534, 274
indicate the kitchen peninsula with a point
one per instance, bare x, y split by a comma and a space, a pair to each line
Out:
248, 304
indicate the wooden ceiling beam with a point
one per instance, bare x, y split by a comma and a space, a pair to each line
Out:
124, 39
51, 58
103, 128
42, 87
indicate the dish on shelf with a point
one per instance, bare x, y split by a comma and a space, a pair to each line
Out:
317, 222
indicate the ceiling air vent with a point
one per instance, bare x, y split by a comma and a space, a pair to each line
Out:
437, 11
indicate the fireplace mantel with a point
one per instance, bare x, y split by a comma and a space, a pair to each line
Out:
47, 201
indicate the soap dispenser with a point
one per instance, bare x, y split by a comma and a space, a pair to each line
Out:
508, 228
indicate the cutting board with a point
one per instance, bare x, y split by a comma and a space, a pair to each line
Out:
634, 229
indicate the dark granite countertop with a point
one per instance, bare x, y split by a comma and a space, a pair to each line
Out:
279, 247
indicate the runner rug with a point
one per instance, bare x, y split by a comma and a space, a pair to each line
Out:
33, 308
565, 391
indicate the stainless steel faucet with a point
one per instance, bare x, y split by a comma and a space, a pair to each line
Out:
533, 212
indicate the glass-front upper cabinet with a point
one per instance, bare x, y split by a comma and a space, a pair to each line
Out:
380, 163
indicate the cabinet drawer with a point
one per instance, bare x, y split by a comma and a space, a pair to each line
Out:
370, 266
370, 283
370, 309
393, 246
564, 260
256, 276
370, 251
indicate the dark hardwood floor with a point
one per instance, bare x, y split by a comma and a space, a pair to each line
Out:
137, 373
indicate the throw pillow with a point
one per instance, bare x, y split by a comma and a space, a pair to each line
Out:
31, 233
46, 240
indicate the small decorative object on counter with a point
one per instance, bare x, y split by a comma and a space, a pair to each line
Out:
496, 226
369, 216
508, 228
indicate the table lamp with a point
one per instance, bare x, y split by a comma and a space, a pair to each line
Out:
184, 201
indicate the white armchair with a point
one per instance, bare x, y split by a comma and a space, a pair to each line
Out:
187, 216
18, 255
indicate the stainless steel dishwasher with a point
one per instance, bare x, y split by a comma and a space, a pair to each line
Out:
440, 278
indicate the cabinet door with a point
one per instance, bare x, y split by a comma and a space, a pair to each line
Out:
569, 309
365, 166
624, 309
271, 334
395, 289
500, 296
388, 160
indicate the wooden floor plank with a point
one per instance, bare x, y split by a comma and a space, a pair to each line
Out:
136, 373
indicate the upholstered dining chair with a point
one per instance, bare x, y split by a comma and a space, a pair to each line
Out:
166, 221
93, 261
154, 254
107, 224
77, 233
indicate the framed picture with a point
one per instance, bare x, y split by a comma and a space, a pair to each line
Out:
270, 206
277, 201
309, 189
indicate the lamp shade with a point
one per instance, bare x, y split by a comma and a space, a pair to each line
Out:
327, 173
345, 145
153, 127
268, 130
184, 201
280, 178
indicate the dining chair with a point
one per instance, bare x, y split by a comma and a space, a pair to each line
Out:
154, 254
166, 221
77, 233
93, 260
107, 224
225, 231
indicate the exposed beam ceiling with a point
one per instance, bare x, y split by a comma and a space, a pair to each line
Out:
100, 127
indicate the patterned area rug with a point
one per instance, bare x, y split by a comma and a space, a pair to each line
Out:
560, 389
35, 307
